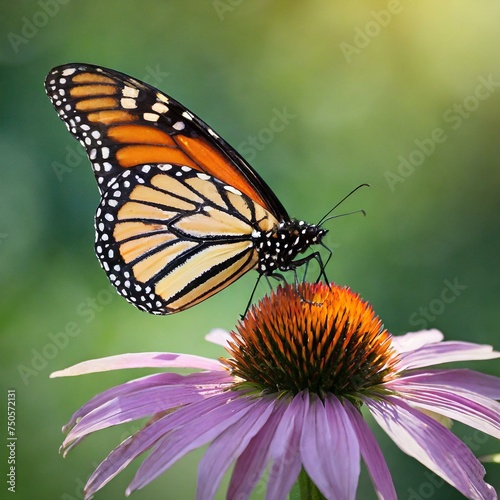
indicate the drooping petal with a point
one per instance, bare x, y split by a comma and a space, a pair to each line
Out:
252, 462
372, 455
225, 448
145, 438
414, 340
467, 407
330, 449
284, 450
194, 433
140, 360
421, 437
445, 352
202, 381
469, 380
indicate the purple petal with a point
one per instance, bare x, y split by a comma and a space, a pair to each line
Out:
252, 462
218, 336
194, 433
130, 407
467, 407
229, 445
285, 448
330, 449
144, 439
415, 340
445, 352
140, 360
421, 437
372, 455
468, 380
206, 379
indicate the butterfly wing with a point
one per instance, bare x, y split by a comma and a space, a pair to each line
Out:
123, 122
169, 236
178, 206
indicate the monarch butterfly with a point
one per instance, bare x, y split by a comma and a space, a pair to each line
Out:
182, 215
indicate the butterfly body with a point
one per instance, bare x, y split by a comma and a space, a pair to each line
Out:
182, 215
278, 248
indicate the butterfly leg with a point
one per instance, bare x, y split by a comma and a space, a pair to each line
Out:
251, 296
306, 260
296, 281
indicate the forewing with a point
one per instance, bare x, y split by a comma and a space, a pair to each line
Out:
123, 123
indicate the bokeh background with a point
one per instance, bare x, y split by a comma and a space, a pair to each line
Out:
403, 95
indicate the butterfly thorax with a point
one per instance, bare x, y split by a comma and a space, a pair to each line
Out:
277, 248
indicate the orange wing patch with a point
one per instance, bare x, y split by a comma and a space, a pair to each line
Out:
130, 156
212, 162
92, 78
140, 134
89, 90
95, 104
110, 116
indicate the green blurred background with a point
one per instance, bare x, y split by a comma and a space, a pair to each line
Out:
408, 101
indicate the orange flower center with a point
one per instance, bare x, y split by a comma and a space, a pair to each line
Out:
317, 337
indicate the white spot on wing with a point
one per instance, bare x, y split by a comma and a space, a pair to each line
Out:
233, 190
130, 92
151, 117
128, 103
159, 107
162, 97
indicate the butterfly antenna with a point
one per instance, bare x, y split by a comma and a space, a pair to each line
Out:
342, 215
325, 217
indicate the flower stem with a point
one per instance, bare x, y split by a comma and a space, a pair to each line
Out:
305, 489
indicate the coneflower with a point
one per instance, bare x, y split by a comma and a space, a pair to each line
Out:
288, 399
